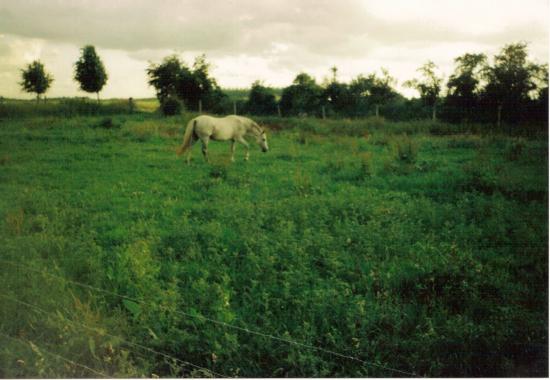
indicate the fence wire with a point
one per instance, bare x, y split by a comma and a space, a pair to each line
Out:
221, 323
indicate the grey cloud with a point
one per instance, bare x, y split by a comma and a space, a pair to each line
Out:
218, 27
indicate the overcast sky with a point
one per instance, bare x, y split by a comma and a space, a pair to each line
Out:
246, 40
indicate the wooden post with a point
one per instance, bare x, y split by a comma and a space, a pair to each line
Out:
131, 105
234, 107
323, 111
499, 113
200, 106
433, 112
377, 110
279, 110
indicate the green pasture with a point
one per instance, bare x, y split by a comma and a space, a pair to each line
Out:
415, 248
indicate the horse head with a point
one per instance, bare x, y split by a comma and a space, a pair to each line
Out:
261, 139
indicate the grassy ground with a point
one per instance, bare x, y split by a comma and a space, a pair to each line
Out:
420, 253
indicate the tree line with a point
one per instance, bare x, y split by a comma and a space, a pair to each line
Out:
510, 88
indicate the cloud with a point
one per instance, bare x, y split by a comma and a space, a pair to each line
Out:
219, 27
269, 39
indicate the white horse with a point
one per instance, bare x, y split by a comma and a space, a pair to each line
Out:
234, 128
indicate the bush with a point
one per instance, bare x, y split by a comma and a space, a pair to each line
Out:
405, 149
107, 123
514, 149
171, 106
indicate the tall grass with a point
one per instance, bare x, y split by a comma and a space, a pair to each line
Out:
433, 260
68, 107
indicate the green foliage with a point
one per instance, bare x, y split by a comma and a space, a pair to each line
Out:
261, 100
35, 79
171, 106
89, 71
511, 80
172, 77
63, 107
464, 86
442, 272
301, 98
429, 86
405, 149
165, 77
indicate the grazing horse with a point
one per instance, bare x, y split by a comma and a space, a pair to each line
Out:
234, 128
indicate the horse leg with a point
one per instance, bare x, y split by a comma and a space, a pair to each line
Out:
205, 148
233, 150
191, 142
243, 141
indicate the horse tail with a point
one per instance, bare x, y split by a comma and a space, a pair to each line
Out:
187, 137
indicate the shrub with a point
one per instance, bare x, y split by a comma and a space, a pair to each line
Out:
514, 149
405, 149
464, 142
171, 106
107, 123
218, 171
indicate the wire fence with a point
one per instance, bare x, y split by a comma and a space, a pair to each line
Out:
247, 330
102, 332
42, 350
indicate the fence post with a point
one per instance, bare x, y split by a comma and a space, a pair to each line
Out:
131, 105
279, 110
200, 106
433, 112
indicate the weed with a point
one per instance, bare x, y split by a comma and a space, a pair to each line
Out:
5, 159
515, 149
218, 171
14, 221
405, 149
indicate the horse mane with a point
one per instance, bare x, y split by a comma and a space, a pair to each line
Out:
258, 128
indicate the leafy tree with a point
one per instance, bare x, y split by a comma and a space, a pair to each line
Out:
336, 96
429, 86
90, 72
166, 76
464, 86
35, 79
372, 91
261, 100
204, 87
173, 77
302, 97
542, 98
511, 81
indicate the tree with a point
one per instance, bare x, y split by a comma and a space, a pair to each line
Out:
381, 90
372, 91
511, 81
261, 100
302, 97
464, 86
336, 96
429, 86
90, 72
166, 77
35, 79
172, 77
204, 87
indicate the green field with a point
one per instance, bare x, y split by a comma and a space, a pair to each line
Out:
407, 246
